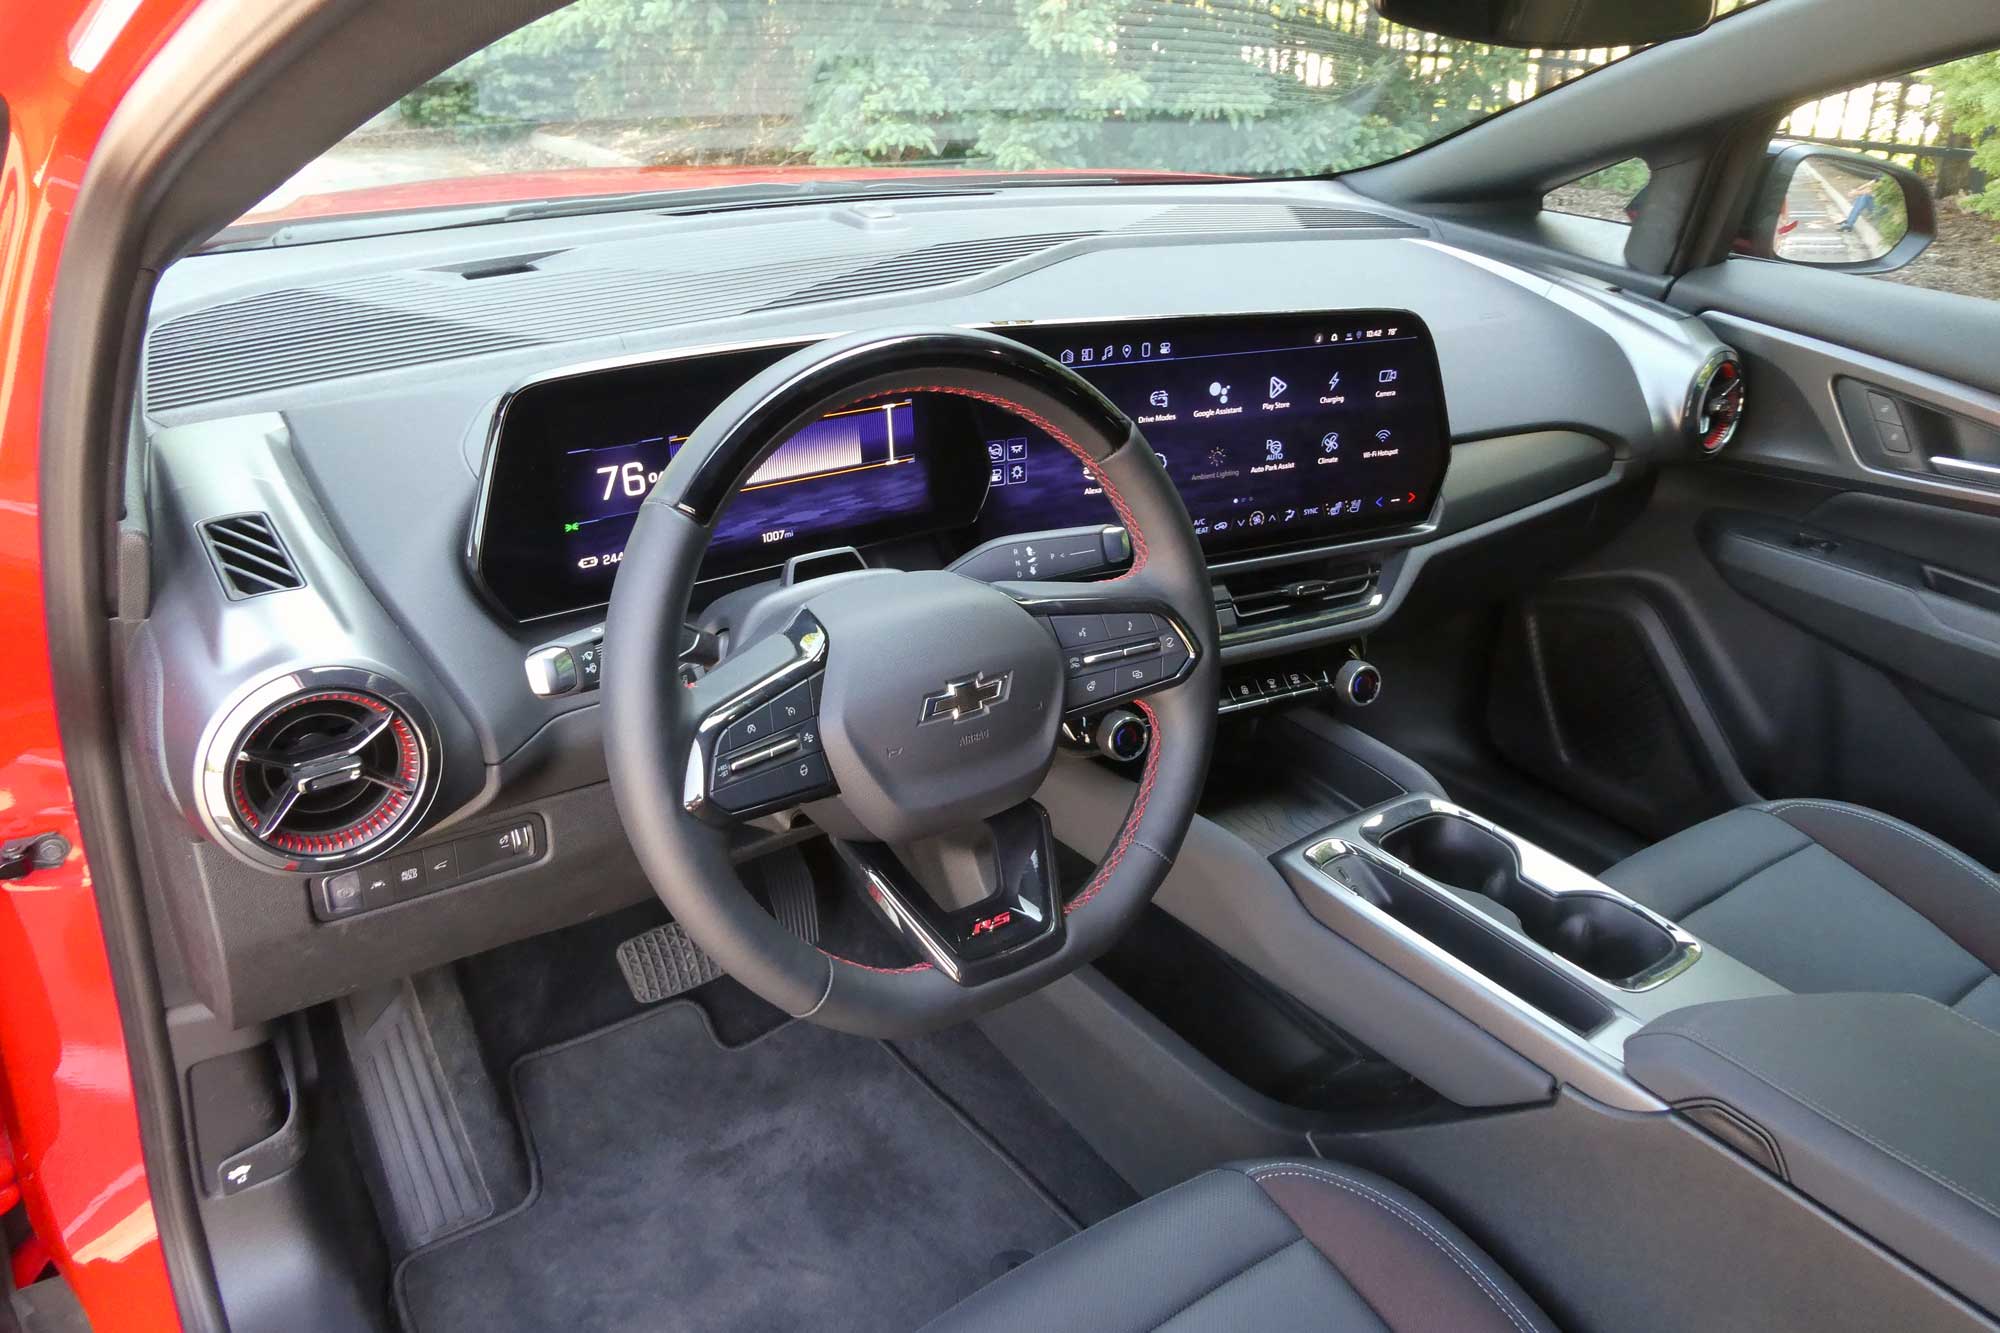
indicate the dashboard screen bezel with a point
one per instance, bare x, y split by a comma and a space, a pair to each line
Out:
485, 559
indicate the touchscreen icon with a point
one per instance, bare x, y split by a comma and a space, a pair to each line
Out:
1329, 443
1333, 384
1016, 473
996, 450
1278, 387
1274, 451
1382, 436
1387, 377
1218, 391
1159, 398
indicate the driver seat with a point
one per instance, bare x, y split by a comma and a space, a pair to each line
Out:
1275, 1246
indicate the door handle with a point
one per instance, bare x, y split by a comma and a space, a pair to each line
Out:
1966, 466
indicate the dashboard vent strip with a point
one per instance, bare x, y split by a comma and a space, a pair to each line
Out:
1225, 219
250, 557
932, 266
300, 336
297, 335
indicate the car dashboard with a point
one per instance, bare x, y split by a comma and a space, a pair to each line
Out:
381, 489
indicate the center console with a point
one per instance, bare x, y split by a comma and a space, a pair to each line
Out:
1502, 929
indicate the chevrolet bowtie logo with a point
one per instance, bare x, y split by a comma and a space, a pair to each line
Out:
962, 699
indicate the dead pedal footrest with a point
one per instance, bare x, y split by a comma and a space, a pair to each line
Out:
665, 961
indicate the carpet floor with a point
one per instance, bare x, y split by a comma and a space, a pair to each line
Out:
804, 1179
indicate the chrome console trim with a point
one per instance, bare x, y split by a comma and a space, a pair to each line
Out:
1592, 1062
1539, 867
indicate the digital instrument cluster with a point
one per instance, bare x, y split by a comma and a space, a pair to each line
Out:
1279, 430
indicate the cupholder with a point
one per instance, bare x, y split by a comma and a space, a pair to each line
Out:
1604, 936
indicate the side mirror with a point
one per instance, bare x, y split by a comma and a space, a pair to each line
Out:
1837, 210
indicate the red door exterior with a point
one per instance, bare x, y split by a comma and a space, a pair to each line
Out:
65, 1083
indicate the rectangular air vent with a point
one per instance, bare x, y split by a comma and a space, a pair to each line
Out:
250, 557
1283, 596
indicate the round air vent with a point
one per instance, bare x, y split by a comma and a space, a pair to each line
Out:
1715, 403
318, 769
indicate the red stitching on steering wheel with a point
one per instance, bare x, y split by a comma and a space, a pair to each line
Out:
1090, 464
1130, 829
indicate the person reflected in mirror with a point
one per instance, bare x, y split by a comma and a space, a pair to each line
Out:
1860, 204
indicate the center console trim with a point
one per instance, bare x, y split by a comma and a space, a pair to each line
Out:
1542, 868
1593, 1063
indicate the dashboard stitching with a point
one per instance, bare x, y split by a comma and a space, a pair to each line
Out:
1090, 464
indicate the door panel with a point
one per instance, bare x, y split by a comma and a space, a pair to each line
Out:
1817, 611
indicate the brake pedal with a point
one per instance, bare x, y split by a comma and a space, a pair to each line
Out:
665, 961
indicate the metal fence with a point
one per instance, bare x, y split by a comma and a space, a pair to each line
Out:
1900, 119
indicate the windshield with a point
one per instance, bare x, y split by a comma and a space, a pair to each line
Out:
622, 96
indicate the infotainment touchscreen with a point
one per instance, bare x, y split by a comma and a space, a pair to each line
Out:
1279, 430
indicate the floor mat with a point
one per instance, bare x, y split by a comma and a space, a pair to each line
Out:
807, 1179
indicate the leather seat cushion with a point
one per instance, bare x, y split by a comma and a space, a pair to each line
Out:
1274, 1246
1823, 896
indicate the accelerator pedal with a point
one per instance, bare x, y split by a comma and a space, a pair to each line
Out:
665, 961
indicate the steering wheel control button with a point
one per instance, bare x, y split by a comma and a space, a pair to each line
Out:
749, 761
776, 783
1128, 625
1138, 677
793, 706
1079, 631
749, 729
1082, 691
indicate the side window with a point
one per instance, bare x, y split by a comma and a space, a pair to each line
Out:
1611, 193
1857, 177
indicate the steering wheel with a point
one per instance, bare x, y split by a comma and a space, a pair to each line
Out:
912, 714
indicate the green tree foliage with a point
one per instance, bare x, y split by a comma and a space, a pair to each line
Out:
1971, 92
1230, 86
